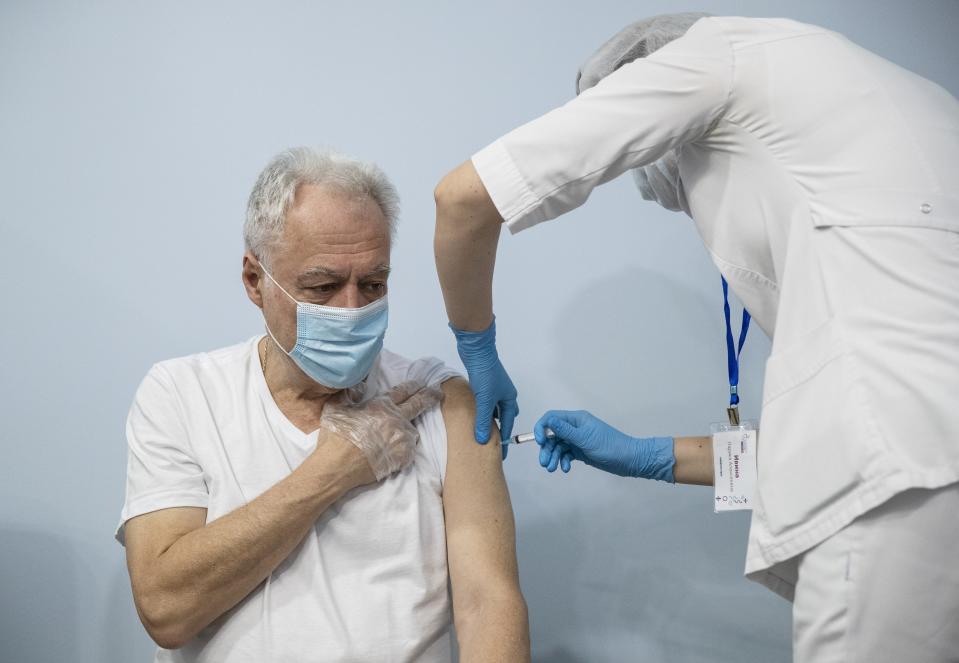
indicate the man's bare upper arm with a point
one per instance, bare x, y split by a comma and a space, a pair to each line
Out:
480, 532
150, 535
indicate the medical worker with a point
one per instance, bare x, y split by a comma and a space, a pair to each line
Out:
824, 181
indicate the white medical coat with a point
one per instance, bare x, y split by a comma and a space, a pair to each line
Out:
824, 181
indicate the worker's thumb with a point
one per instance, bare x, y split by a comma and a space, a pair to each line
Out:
484, 419
563, 430
508, 410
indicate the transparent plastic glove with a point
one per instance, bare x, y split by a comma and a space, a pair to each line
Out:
381, 426
578, 435
491, 384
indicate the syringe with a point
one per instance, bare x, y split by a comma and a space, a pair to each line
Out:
526, 437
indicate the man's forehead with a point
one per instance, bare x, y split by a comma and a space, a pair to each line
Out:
321, 210
330, 234
328, 272
311, 263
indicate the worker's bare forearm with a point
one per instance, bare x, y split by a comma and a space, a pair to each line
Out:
467, 232
694, 460
495, 630
209, 570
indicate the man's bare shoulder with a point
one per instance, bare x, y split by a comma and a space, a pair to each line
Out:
457, 395
459, 412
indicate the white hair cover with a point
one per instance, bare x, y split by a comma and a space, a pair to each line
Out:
658, 182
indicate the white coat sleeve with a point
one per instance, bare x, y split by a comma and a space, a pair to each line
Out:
631, 118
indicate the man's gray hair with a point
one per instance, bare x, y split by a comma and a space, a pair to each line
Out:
276, 187
635, 41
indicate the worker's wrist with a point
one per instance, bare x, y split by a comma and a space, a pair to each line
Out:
655, 459
470, 344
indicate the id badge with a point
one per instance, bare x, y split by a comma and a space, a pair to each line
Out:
734, 466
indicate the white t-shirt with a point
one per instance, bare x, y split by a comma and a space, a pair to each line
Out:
369, 583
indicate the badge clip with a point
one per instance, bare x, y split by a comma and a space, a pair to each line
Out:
733, 413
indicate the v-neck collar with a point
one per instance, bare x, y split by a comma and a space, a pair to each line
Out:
263, 390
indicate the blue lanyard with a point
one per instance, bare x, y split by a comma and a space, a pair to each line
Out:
733, 353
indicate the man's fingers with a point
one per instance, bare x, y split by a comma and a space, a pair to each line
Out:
355, 394
419, 402
401, 393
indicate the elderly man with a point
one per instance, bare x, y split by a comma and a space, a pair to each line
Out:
301, 495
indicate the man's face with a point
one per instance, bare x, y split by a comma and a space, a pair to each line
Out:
335, 251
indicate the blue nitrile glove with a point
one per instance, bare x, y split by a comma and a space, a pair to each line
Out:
581, 436
494, 391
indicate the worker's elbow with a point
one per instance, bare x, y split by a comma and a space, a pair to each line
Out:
447, 195
464, 210
462, 190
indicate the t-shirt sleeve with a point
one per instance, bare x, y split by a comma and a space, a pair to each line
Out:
430, 371
635, 115
162, 471
432, 426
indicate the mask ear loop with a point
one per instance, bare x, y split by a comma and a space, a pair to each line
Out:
274, 338
295, 301
287, 352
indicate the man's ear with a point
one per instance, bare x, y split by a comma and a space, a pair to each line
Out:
252, 276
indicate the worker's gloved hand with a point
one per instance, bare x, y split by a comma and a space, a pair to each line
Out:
491, 385
578, 435
381, 426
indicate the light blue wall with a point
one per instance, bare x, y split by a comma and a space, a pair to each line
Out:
130, 134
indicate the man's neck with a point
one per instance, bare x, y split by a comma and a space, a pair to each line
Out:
298, 397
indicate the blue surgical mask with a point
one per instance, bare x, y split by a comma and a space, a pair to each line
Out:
336, 346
